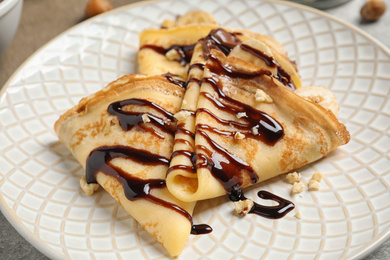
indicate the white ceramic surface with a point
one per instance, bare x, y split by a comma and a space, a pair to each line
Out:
10, 11
348, 217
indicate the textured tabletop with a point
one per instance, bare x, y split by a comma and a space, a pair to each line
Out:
35, 30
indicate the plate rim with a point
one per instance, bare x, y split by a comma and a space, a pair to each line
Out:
49, 252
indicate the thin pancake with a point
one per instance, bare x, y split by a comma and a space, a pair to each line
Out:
123, 137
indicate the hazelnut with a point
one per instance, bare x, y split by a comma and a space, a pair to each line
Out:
317, 176
297, 188
314, 185
243, 206
373, 10
95, 7
293, 177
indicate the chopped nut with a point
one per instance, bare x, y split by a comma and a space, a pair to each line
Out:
95, 7
173, 55
261, 96
89, 189
298, 215
241, 115
181, 115
255, 130
317, 176
243, 206
145, 118
313, 185
293, 177
373, 10
297, 188
239, 136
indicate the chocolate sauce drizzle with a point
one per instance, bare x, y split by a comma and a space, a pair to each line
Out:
269, 130
99, 160
135, 188
272, 212
185, 51
129, 119
175, 80
282, 75
221, 40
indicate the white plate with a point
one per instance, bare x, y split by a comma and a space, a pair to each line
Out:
39, 189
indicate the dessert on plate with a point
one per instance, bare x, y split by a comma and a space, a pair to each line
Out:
123, 136
214, 111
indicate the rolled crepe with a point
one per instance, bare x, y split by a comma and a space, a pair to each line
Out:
249, 127
123, 137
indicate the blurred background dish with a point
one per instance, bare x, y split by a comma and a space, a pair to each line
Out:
321, 4
10, 11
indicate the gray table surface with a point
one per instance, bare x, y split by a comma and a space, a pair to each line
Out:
14, 246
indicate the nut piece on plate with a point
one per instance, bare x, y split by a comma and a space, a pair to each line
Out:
317, 176
298, 215
314, 185
243, 206
95, 7
297, 188
373, 10
293, 177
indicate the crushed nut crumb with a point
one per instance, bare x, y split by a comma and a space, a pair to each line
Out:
241, 115
181, 115
145, 118
298, 215
313, 185
243, 206
293, 177
255, 130
297, 188
261, 96
317, 176
89, 189
239, 136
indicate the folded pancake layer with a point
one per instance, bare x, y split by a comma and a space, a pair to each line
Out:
249, 127
170, 50
123, 137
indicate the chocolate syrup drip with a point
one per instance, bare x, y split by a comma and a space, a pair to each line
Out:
273, 212
221, 40
175, 80
183, 141
223, 69
201, 229
285, 77
282, 75
196, 65
259, 54
128, 119
135, 188
224, 166
270, 131
197, 81
182, 130
188, 154
185, 51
